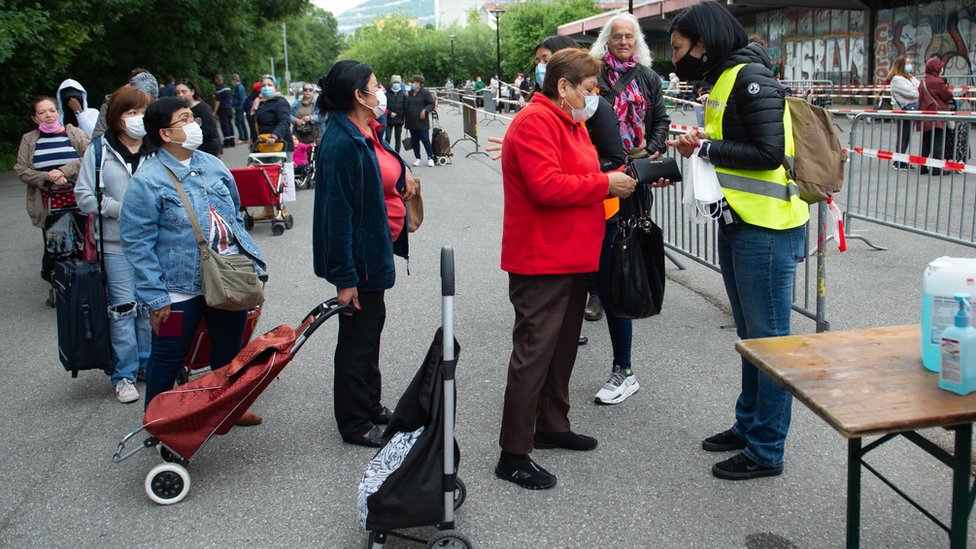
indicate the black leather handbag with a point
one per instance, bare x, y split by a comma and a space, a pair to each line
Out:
637, 261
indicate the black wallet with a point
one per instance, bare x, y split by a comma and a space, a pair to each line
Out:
648, 170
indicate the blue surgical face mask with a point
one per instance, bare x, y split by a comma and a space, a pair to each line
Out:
267, 91
395, 87
540, 73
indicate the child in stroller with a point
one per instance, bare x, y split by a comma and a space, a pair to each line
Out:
304, 169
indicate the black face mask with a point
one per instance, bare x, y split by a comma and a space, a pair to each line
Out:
690, 68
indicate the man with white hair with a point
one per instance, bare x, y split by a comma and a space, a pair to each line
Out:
628, 83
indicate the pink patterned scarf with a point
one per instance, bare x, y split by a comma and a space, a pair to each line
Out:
629, 105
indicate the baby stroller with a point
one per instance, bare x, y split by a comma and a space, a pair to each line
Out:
197, 358
441, 143
412, 481
305, 173
182, 419
263, 185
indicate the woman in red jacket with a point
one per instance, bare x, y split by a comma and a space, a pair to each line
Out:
553, 228
933, 95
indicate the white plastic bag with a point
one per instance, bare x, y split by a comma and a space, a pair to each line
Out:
701, 189
288, 193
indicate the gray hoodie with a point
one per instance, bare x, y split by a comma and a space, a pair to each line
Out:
115, 178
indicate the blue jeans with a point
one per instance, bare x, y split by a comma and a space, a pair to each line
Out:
621, 329
226, 330
128, 322
757, 268
418, 137
242, 132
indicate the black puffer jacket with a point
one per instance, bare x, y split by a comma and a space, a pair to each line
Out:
656, 122
396, 104
752, 127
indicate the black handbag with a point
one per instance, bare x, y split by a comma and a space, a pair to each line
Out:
637, 261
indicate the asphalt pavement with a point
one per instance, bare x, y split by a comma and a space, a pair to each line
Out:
291, 482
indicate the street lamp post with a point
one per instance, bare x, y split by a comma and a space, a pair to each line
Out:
497, 12
453, 66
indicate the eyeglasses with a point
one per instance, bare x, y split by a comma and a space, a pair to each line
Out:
307, 90
184, 120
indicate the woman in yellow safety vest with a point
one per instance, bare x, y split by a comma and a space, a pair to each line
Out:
762, 222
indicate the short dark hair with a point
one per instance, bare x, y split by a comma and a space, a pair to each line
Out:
714, 25
189, 84
159, 115
557, 42
338, 87
123, 99
573, 64
39, 99
417, 78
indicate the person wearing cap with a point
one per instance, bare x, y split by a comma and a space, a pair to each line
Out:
238, 95
249, 108
73, 106
396, 106
419, 103
138, 77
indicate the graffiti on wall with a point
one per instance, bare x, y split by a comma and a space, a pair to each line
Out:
815, 44
946, 28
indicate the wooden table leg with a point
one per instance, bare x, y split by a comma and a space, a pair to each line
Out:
854, 493
962, 461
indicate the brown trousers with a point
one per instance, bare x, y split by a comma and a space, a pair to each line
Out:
548, 319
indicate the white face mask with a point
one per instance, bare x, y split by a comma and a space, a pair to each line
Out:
590, 103
134, 127
909, 67
380, 109
194, 136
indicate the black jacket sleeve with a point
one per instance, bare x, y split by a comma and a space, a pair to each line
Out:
752, 128
656, 121
283, 113
604, 130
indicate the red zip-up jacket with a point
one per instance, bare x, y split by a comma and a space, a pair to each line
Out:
554, 191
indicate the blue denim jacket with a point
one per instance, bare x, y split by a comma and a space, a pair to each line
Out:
155, 231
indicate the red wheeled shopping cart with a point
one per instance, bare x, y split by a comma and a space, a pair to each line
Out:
182, 419
198, 357
263, 185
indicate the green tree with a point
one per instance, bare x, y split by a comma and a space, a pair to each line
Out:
524, 25
313, 44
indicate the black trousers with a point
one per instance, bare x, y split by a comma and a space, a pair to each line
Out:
394, 130
357, 384
227, 126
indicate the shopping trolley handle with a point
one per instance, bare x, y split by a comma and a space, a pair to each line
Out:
447, 271
315, 318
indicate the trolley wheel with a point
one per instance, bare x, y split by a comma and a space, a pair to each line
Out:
441, 160
460, 492
376, 540
248, 221
289, 221
277, 229
168, 483
449, 539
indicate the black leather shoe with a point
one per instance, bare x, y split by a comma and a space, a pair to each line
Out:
726, 441
567, 440
372, 439
383, 417
527, 474
739, 467
583, 340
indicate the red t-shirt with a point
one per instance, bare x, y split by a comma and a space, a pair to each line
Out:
390, 170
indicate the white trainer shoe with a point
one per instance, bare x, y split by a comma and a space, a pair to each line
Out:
416, 163
618, 388
430, 162
126, 392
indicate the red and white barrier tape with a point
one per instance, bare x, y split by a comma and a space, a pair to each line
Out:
937, 163
876, 111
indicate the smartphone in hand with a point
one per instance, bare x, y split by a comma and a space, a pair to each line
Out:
173, 327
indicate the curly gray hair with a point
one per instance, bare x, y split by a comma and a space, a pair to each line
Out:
641, 52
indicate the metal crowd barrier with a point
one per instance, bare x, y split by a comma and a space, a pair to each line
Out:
699, 242
915, 181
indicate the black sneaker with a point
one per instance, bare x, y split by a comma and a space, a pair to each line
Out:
726, 441
567, 440
527, 474
739, 467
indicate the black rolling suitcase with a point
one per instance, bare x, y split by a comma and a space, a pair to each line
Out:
83, 337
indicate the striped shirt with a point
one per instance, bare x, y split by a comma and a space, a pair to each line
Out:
53, 150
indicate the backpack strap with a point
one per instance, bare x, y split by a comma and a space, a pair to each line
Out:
622, 83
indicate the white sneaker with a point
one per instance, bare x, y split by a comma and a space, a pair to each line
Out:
416, 163
617, 388
125, 391
430, 162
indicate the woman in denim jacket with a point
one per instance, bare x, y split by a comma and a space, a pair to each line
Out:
157, 238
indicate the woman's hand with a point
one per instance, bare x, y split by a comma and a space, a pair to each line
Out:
411, 186
349, 295
687, 143
621, 184
493, 148
158, 316
271, 139
54, 175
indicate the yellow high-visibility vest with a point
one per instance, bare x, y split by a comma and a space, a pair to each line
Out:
767, 198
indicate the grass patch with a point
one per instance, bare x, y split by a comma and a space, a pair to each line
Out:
8, 156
